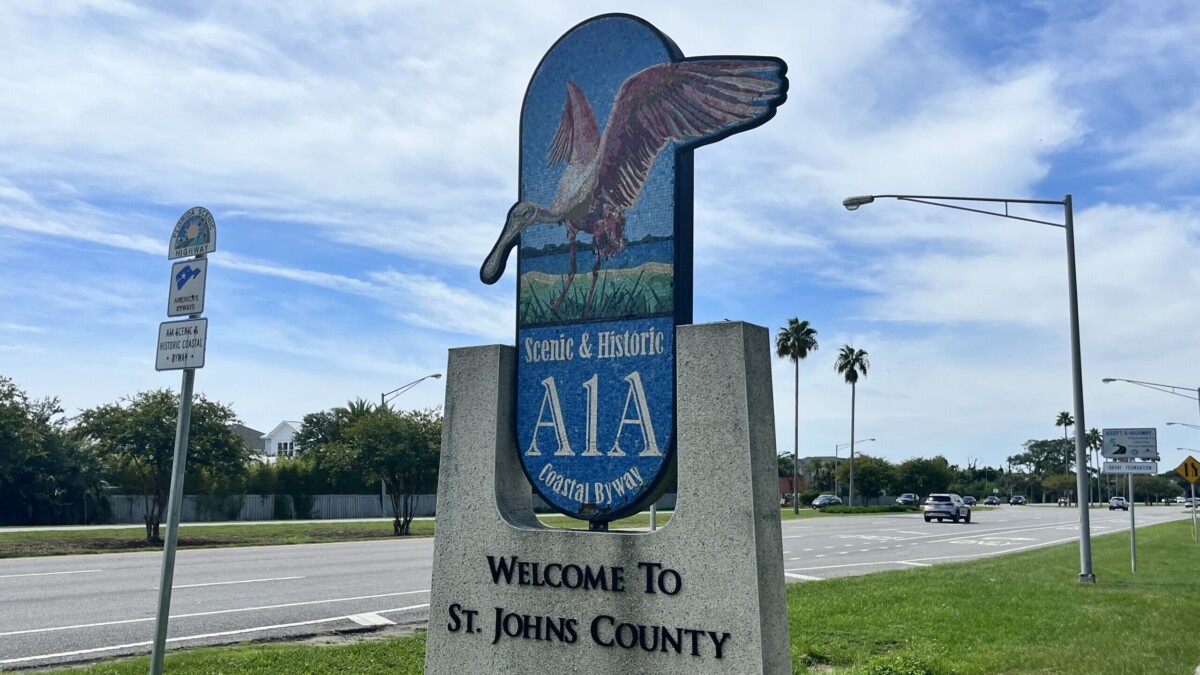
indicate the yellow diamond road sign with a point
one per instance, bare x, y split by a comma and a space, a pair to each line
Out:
1190, 469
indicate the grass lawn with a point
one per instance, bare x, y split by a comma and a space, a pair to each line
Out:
1022, 613
115, 540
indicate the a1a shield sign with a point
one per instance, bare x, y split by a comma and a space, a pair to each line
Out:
603, 231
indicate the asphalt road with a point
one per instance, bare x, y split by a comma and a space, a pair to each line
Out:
77, 608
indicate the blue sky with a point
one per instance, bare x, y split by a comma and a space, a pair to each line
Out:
360, 159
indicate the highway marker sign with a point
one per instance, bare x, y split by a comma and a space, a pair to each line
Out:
181, 344
187, 287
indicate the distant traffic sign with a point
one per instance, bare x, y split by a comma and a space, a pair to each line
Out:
1135, 468
1130, 443
1190, 470
181, 344
187, 287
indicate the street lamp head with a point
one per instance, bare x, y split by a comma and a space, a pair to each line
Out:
852, 203
1109, 379
436, 376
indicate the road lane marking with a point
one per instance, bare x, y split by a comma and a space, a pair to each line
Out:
46, 574
802, 577
203, 636
370, 619
246, 581
914, 564
210, 613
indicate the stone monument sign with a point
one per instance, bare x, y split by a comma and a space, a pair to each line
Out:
609, 394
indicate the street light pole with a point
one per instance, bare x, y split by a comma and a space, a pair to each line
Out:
1081, 480
836, 448
389, 395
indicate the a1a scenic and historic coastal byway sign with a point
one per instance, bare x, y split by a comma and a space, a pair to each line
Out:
187, 287
603, 222
1130, 443
181, 344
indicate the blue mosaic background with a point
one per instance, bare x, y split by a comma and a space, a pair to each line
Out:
598, 56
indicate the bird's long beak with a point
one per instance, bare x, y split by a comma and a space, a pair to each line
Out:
493, 265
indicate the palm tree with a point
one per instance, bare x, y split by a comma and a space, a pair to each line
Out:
794, 342
1095, 441
850, 364
1065, 420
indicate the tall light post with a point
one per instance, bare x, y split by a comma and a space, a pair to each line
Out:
1172, 389
1068, 226
389, 395
836, 448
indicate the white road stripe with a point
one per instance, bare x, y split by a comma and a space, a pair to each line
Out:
227, 583
240, 631
914, 564
211, 613
802, 577
370, 619
45, 574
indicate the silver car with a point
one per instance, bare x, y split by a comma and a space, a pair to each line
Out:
942, 506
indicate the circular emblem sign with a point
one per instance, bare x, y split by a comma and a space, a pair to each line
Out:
195, 233
603, 232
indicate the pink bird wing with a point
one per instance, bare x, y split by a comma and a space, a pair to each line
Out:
577, 138
678, 102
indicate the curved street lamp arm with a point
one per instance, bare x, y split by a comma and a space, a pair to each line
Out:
389, 395
852, 203
1193, 393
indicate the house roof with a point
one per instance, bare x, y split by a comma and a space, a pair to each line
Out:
281, 427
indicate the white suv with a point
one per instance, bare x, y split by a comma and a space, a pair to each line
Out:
942, 506
1118, 503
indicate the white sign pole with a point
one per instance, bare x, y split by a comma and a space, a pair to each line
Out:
1132, 528
174, 507
1194, 509
194, 234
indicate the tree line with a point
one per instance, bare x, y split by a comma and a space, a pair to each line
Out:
60, 470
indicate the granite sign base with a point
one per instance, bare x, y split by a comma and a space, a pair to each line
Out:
704, 594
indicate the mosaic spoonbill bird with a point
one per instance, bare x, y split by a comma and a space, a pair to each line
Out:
677, 102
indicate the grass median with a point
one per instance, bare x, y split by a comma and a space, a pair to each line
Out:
1017, 613
118, 540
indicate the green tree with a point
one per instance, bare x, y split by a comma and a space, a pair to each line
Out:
1065, 421
138, 434
1095, 442
1059, 485
852, 363
924, 476
46, 476
321, 433
794, 342
875, 475
786, 466
1153, 488
402, 449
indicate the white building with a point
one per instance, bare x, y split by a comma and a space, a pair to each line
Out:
279, 442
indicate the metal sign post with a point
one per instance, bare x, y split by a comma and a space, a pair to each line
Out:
181, 346
1132, 528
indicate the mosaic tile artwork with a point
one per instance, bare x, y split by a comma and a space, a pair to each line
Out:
603, 236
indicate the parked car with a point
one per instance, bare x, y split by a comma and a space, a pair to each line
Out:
1016, 500
1180, 500
942, 506
907, 499
1118, 503
992, 501
1191, 503
1063, 501
971, 501
826, 500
